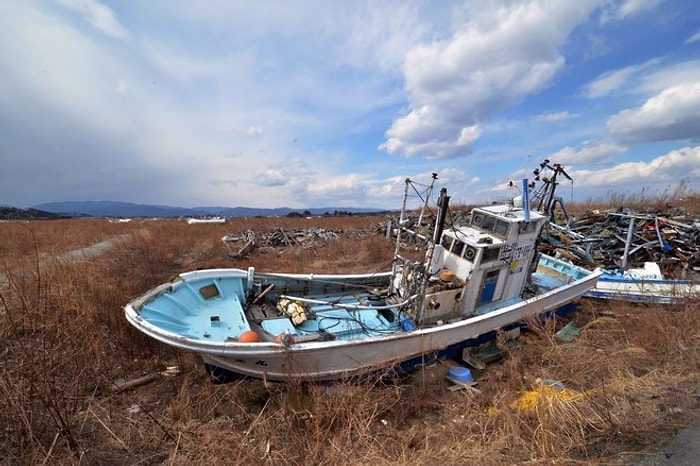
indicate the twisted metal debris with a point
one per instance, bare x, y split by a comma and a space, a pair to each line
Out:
621, 239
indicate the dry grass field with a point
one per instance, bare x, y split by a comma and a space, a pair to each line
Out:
631, 379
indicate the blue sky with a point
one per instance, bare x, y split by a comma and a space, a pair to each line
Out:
318, 103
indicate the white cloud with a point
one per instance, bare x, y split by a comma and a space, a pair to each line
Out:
661, 172
261, 104
589, 153
643, 78
340, 189
361, 34
182, 100
554, 116
669, 76
632, 7
389, 192
669, 168
672, 114
51, 66
611, 81
694, 38
424, 133
619, 10
344, 190
491, 63
101, 17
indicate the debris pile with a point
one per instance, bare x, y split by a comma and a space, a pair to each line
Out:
234, 241
304, 238
626, 239
241, 245
617, 240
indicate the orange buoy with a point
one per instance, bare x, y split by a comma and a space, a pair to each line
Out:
249, 336
447, 275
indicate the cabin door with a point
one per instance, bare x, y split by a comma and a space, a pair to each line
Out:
488, 286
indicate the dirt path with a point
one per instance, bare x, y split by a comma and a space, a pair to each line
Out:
94, 250
84, 253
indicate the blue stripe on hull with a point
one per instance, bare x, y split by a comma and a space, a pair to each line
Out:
632, 297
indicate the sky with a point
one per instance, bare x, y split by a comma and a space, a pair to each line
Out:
315, 103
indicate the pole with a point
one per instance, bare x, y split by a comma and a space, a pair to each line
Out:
526, 201
630, 231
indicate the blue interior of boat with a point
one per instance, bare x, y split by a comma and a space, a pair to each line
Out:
343, 324
544, 282
210, 309
213, 309
576, 272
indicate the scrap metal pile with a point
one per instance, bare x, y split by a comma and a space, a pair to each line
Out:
617, 240
627, 239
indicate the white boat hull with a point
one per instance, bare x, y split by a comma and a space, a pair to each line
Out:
644, 290
338, 359
475, 279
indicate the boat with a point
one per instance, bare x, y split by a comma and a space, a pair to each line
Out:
644, 285
197, 221
475, 280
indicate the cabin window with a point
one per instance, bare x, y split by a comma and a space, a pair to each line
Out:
490, 254
446, 242
470, 253
477, 219
457, 248
501, 228
488, 223
527, 227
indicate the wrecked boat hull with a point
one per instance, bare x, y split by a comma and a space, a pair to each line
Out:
314, 363
221, 375
341, 359
475, 279
617, 287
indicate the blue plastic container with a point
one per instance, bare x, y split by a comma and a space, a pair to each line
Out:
460, 374
407, 325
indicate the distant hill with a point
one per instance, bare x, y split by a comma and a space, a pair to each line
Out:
13, 213
127, 209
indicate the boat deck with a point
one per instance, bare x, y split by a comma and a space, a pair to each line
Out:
340, 323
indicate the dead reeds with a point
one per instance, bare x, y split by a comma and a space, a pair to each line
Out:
628, 380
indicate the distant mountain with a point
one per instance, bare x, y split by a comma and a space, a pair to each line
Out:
127, 209
116, 209
13, 213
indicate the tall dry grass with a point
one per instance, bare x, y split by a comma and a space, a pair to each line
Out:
629, 380
680, 200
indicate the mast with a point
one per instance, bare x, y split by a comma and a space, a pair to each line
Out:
443, 204
427, 199
401, 218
